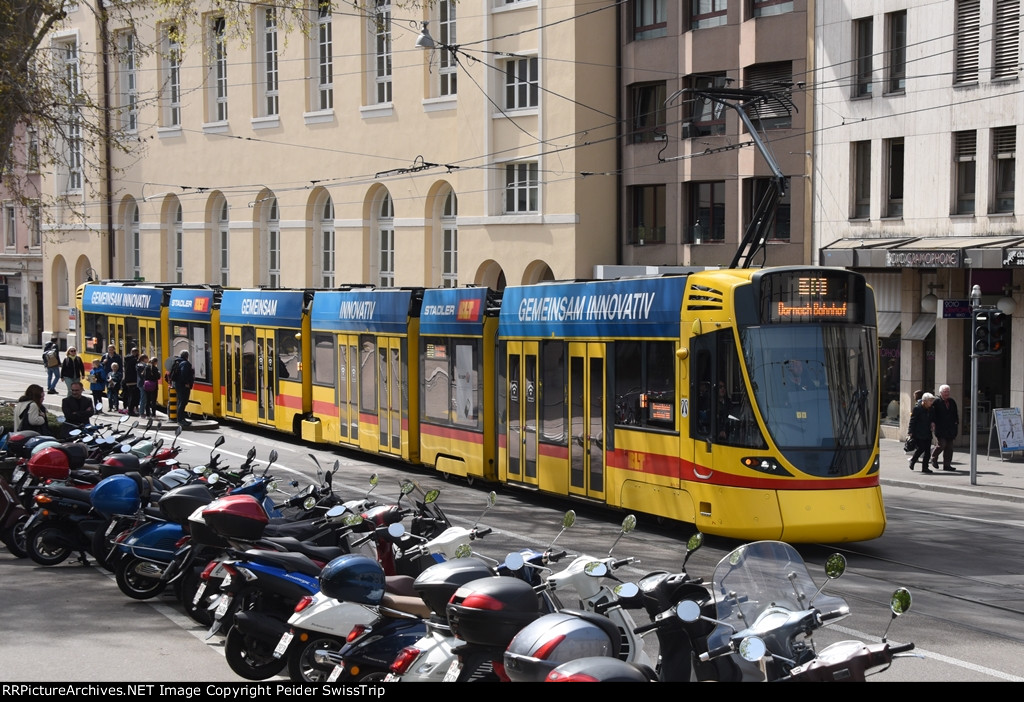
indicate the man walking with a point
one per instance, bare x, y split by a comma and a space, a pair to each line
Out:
182, 377
51, 359
945, 425
130, 390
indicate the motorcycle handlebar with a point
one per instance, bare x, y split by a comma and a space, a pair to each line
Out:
715, 653
623, 562
555, 556
903, 648
481, 532
836, 614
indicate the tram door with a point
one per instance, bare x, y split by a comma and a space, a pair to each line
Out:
115, 336
587, 419
522, 411
250, 379
391, 385
348, 388
149, 341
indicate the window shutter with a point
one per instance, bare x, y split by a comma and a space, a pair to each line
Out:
968, 17
966, 145
1004, 142
769, 76
1007, 39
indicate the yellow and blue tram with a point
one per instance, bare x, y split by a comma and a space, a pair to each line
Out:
743, 401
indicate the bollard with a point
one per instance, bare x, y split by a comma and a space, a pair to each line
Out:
172, 403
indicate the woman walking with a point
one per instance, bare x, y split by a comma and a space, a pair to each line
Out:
72, 370
921, 430
149, 381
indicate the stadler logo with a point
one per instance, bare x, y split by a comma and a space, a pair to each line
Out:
201, 304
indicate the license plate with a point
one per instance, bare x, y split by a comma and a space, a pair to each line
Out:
31, 521
227, 580
282, 645
391, 677
453, 671
110, 528
199, 593
222, 606
17, 475
336, 672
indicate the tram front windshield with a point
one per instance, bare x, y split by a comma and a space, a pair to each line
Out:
816, 387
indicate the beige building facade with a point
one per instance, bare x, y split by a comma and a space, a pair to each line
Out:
346, 154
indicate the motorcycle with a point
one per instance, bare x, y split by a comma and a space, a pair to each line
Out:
336, 642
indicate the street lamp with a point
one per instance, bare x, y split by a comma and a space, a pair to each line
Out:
975, 304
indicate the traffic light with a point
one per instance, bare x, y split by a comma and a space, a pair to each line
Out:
982, 332
998, 332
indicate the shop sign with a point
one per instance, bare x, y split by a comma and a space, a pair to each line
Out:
897, 258
1013, 257
956, 309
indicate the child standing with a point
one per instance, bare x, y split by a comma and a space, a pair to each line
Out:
114, 381
97, 381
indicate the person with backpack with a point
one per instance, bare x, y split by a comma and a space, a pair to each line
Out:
182, 375
149, 382
51, 360
97, 381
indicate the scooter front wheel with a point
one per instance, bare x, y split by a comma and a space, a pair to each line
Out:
138, 579
251, 658
14, 538
302, 667
46, 544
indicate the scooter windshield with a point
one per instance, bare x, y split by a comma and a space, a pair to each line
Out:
757, 589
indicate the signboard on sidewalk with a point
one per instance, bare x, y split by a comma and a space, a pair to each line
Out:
1009, 430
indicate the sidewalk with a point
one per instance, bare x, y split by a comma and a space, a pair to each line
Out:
997, 479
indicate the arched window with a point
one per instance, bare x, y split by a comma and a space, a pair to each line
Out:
179, 246
272, 277
325, 232
132, 242
450, 242
223, 237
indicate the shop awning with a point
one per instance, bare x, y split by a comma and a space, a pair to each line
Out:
920, 252
887, 323
920, 329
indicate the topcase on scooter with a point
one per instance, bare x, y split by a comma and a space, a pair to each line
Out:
491, 611
438, 583
178, 503
239, 517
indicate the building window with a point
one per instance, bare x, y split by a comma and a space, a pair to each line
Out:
172, 78
386, 244
327, 244
705, 117
770, 77
965, 145
966, 37
450, 242
269, 62
708, 13
861, 178
522, 189
521, 89
324, 54
863, 30
36, 232
129, 83
224, 242
1006, 44
448, 69
1004, 153
707, 212
273, 245
179, 247
218, 71
648, 112
649, 19
647, 214
764, 8
894, 178
755, 191
382, 52
896, 51
10, 228
33, 151
73, 124
134, 248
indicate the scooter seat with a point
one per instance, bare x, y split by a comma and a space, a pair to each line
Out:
404, 604
292, 562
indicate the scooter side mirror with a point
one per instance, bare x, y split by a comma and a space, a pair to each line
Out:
626, 591
335, 511
752, 649
688, 611
900, 601
396, 530
514, 561
219, 442
596, 569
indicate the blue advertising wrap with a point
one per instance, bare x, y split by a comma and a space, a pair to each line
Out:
281, 308
361, 310
640, 307
122, 300
453, 311
190, 305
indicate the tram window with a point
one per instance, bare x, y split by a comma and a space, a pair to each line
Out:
554, 414
96, 335
289, 366
323, 360
451, 380
368, 374
248, 359
131, 335
645, 384
194, 339
723, 410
